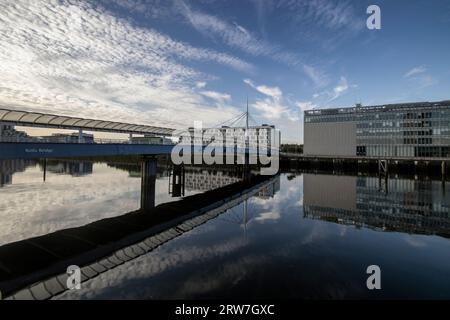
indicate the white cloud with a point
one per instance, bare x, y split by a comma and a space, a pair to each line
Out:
341, 88
273, 92
200, 84
421, 77
318, 77
337, 91
415, 71
218, 96
80, 60
267, 216
232, 34
236, 36
426, 81
270, 109
273, 106
331, 15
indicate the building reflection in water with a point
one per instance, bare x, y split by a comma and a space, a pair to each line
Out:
270, 191
9, 167
74, 168
408, 205
203, 178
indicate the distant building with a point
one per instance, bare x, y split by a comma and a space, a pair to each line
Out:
151, 140
397, 130
69, 138
257, 135
9, 134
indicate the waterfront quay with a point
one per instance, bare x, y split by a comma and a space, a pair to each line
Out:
437, 167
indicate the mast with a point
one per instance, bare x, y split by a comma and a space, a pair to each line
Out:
246, 118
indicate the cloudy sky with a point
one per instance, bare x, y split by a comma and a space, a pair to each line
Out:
172, 62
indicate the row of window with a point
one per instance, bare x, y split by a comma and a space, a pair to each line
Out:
374, 116
403, 151
403, 133
408, 124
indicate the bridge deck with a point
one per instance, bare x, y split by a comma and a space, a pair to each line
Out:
69, 150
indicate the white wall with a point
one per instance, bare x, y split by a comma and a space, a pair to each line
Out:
330, 139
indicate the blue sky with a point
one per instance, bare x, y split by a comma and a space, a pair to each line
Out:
173, 62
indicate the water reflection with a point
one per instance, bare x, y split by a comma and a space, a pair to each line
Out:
268, 247
200, 178
403, 205
73, 168
157, 273
9, 167
39, 197
302, 236
39, 255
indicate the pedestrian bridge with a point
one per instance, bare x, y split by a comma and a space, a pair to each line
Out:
39, 150
22, 146
43, 120
18, 145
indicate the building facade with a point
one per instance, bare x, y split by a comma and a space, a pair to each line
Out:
257, 136
149, 139
398, 130
9, 134
68, 138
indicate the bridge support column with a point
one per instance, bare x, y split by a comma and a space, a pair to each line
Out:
80, 135
443, 170
383, 167
178, 180
148, 183
44, 170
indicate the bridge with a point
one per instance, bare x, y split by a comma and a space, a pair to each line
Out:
17, 146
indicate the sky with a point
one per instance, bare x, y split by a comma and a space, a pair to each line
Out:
170, 63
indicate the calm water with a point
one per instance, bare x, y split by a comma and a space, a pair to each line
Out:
306, 236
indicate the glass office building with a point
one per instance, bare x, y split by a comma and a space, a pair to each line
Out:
397, 130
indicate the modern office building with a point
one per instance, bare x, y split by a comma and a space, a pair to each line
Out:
419, 129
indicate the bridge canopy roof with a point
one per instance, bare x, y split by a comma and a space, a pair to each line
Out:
35, 119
